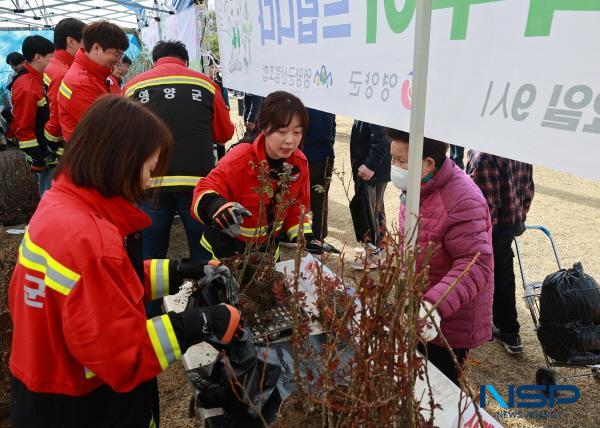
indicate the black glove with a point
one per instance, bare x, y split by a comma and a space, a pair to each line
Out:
218, 323
229, 216
194, 269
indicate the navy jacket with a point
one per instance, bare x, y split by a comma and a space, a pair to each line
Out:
320, 136
369, 147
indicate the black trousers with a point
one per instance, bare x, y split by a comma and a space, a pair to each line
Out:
100, 408
441, 358
505, 307
320, 175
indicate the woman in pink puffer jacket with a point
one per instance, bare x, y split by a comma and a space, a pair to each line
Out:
455, 218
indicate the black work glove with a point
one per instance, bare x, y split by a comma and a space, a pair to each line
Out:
228, 217
194, 269
219, 323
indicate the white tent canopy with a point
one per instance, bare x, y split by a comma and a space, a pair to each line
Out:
44, 14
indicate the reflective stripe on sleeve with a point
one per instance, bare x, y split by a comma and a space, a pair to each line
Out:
42, 102
204, 242
175, 180
27, 144
171, 80
163, 340
56, 276
47, 79
197, 203
254, 232
293, 231
159, 278
65, 91
51, 137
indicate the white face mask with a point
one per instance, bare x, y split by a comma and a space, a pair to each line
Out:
399, 177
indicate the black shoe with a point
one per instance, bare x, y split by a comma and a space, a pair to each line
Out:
510, 341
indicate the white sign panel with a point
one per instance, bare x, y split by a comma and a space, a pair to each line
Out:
517, 78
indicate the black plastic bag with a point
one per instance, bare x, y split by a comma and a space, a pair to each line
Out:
243, 382
571, 343
570, 295
569, 328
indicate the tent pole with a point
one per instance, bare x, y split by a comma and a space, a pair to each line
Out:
417, 116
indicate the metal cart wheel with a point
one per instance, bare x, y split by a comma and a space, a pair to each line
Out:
545, 376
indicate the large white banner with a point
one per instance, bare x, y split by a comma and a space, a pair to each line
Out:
181, 26
517, 78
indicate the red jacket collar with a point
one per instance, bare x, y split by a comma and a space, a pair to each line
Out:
170, 60
259, 147
85, 62
64, 57
33, 71
117, 210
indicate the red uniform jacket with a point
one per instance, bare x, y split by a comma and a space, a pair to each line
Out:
192, 106
30, 110
236, 180
53, 76
76, 302
82, 85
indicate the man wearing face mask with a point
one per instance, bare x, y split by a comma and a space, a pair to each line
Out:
455, 218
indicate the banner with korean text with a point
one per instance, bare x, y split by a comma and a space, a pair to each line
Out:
517, 78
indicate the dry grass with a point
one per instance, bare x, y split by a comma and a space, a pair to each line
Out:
569, 206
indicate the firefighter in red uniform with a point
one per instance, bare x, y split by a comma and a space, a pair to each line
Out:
30, 107
103, 47
227, 200
67, 41
83, 352
192, 107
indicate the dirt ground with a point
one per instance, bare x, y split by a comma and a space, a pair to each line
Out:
567, 205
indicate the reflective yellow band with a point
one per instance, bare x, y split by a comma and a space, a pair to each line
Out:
163, 340
152, 423
254, 232
159, 278
47, 79
27, 144
65, 91
88, 373
60, 151
42, 102
51, 137
175, 180
56, 276
204, 242
195, 210
171, 80
293, 231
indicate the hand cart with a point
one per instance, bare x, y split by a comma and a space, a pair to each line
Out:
531, 293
